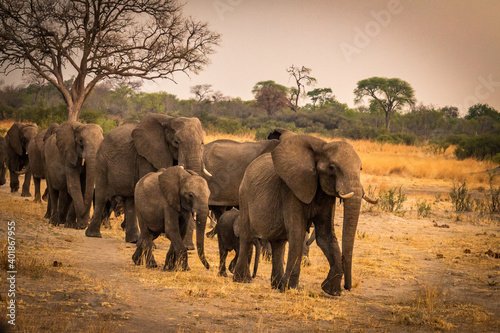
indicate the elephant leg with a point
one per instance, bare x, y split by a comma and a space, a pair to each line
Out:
177, 254
48, 212
327, 242
38, 196
278, 256
256, 243
94, 228
137, 256
188, 237
132, 230
14, 181
242, 268
45, 196
292, 272
53, 201
223, 255
64, 206
147, 245
26, 185
170, 259
71, 217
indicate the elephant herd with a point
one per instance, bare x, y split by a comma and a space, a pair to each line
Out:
168, 180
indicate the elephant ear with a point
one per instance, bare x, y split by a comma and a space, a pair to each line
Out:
14, 138
170, 185
51, 130
65, 141
295, 163
150, 141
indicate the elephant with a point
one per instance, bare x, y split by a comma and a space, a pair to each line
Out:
17, 140
37, 160
70, 161
266, 249
132, 150
284, 192
165, 202
229, 240
227, 161
3, 160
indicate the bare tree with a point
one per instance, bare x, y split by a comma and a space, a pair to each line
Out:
94, 40
201, 92
302, 78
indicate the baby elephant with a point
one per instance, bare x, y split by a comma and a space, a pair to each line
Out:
228, 240
165, 202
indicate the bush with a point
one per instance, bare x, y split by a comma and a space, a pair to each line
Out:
392, 200
460, 197
423, 208
408, 139
480, 147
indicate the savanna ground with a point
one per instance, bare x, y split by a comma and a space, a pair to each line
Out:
411, 273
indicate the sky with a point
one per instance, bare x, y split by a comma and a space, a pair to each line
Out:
448, 50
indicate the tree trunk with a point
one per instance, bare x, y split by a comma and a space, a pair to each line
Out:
388, 121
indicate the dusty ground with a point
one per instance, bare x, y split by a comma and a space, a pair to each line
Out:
409, 275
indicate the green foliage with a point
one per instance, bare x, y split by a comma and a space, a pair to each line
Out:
479, 147
461, 198
95, 117
492, 196
398, 138
423, 208
392, 200
478, 110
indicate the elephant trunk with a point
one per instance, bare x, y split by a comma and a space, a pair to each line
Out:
201, 223
90, 173
351, 216
191, 157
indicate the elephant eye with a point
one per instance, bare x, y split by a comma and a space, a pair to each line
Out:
332, 168
176, 143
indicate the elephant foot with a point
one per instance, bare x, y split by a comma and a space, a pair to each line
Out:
243, 277
131, 238
123, 225
47, 215
151, 264
92, 233
190, 247
81, 226
70, 224
137, 258
37, 198
222, 273
26, 194
45, 195
331, 285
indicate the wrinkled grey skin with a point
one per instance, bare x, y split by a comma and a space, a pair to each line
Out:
227, 161
17, 140
228, 240
70, 161
131, 151
288, 190
165, 202
3, 161
266, 249
36, 156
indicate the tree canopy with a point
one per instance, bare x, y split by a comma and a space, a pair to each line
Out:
93, 40
391, 94
270, 96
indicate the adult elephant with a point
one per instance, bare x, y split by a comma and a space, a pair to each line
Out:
227, 161
284, 192
70, 156
3, 160
132, 150
17, 140
36, 157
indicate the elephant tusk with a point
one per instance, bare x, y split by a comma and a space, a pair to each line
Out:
370, 200
207, 173
22, 172
182, 166
195, 217
346, 196
83, 161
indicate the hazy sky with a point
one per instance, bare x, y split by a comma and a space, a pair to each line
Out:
448, 50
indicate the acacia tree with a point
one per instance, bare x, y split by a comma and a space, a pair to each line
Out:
302, 78
94, 40
321, 96
201, 92
270, 96
391, 94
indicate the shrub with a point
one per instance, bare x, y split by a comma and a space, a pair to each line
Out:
408, 139
392, 200
460, 197
423, 208
480, 147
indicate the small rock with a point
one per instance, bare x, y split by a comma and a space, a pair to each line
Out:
467, 251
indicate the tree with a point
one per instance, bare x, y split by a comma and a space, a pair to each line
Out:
302, 78
479, 110
201, 92
391, 94
95, 40
450, 111
321, 96
270, 96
